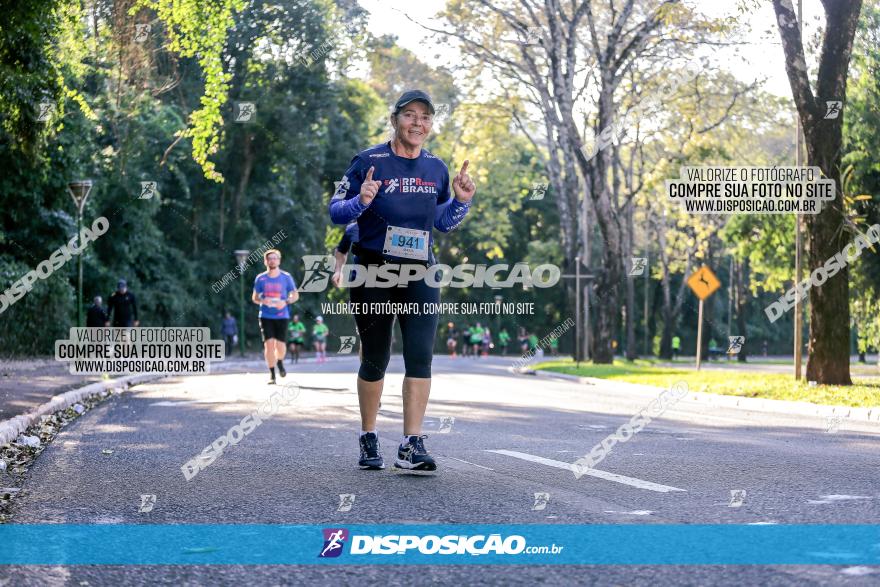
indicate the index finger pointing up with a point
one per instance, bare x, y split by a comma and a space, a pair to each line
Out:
369, 174
464, 167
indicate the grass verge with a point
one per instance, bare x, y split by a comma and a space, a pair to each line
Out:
864, 393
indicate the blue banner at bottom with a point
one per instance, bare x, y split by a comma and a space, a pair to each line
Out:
357, 544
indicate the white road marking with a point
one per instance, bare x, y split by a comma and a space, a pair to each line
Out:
632, 513
470, 463
825, 499
631, 481
193, 401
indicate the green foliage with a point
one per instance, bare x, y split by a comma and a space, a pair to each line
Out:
198, 29
29, 71
173, 247
862, 172
33, 323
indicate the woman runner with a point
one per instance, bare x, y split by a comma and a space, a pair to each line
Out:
399, 192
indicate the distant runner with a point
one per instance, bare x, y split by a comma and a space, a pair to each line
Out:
476, 340
451, 335
319, 333
296, 337
523, 338
274, 291
466, 341
503, 341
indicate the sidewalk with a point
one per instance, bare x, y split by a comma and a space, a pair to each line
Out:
26, 384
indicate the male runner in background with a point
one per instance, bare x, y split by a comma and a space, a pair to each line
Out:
122, 307
274, 290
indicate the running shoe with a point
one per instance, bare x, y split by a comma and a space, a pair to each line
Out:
281, 370
371, 456
414, 456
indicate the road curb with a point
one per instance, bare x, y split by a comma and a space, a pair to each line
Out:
12, 428
745, 403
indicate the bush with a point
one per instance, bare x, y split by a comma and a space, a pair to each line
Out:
32, 324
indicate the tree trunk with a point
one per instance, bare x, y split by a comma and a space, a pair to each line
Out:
631, 344
652, 315
222, 211
608, 305
666, 337
247, 166
829, 336
741, 305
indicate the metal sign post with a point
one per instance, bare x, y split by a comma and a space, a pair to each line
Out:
703, 283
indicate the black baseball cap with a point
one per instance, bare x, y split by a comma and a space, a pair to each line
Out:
413, 96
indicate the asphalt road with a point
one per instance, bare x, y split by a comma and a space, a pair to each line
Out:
510, 437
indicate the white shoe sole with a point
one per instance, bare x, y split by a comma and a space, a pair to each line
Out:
399, 464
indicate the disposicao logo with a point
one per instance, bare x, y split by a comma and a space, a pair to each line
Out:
334, 540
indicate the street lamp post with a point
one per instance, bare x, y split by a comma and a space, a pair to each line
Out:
588, 277
79, 191
498, 300
241, 256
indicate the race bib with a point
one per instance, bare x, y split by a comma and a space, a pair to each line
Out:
408, 243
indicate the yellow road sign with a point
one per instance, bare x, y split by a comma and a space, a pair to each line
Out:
703, 282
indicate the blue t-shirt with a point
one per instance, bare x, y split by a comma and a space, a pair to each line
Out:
274, 287
414, 194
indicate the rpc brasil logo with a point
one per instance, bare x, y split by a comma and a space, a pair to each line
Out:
334, 539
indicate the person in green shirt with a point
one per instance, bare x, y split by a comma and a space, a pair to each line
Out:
713, 349
676, 347
319, 333
533, 341
296, 333
554, 346
476, 339
503, 340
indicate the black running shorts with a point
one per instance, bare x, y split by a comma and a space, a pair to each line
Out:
375, 329
274, 328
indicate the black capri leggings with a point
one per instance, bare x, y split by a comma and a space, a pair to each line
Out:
374, 329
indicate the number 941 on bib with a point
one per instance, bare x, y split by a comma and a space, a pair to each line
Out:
408, 243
